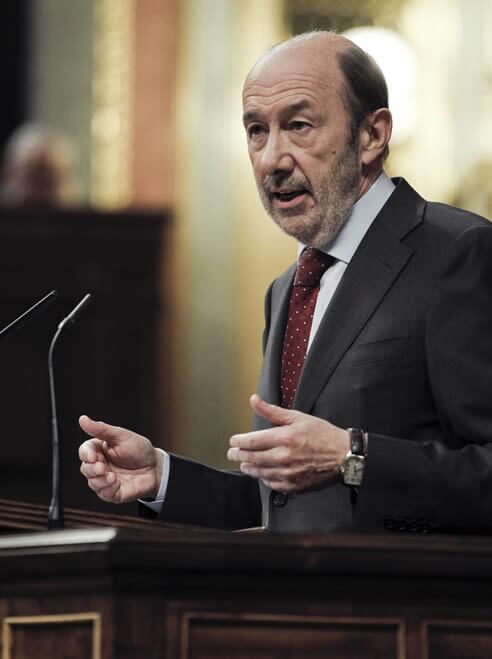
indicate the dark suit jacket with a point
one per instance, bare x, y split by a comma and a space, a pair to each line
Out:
404, 352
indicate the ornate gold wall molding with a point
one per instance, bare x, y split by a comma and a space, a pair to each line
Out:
112, 91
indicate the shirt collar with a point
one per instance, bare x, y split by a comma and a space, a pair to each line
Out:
362, 215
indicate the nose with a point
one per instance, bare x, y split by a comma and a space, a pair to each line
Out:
276, 156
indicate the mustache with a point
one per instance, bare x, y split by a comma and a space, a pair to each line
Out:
272, 182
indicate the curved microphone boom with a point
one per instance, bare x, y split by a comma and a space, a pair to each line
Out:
55, 515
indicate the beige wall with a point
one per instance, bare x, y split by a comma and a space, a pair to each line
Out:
229, 249
60, 73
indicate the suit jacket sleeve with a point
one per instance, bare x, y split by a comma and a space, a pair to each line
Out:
204, 496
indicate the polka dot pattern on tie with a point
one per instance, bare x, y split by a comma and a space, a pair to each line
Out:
311, 267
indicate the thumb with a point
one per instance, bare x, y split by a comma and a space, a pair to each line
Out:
101, 430
279, 416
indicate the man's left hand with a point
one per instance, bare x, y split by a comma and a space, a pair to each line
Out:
301, 452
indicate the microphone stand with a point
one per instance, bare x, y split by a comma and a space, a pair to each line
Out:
28, 315
55, 514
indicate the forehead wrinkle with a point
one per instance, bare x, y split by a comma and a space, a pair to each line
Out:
288, 110
288, 87
271, 99
287, 77
268, 95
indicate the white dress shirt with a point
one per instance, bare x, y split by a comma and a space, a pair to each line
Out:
342, 248
345, 243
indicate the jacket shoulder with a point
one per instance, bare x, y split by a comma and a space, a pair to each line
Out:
452, 221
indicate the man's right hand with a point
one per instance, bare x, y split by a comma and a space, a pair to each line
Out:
119, 465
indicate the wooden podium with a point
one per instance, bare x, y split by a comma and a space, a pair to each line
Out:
128, 588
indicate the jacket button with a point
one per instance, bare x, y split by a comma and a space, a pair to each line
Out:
280, 499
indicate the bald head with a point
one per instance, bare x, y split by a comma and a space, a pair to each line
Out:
312, 46
315, 52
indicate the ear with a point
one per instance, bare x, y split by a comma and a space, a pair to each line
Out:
374, 135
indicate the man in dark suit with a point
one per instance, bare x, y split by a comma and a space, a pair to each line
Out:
378, 342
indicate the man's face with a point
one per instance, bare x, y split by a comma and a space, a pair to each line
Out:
305, 166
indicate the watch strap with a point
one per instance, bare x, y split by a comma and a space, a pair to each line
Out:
357, 443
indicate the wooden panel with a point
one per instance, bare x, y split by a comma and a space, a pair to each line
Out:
105, 365
455, 639
242, 636
77, 636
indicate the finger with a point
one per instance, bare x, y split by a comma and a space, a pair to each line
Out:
280, 486
273, 413
258, 440
111, 493
101, 482
271, 474
91, 450
104, 431
275, 457
92, 470
265, 473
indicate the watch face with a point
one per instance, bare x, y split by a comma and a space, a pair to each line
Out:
354, 470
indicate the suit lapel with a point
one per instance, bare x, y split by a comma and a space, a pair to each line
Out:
374, 267
270, 379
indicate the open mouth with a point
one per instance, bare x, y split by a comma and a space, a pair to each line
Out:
289, 195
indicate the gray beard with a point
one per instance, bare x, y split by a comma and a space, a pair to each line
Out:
336, 200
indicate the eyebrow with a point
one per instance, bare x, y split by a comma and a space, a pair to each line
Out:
288, 111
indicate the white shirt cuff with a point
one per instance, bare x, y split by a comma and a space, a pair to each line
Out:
156, 505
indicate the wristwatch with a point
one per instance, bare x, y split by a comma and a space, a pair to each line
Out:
352, 467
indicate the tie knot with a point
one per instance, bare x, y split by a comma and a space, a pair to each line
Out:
312, 266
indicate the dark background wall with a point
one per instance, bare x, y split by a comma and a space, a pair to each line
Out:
106, 365
14, 54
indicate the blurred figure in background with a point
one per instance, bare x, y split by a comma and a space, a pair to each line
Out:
38, 169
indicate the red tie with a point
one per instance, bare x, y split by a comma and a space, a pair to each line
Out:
311, 267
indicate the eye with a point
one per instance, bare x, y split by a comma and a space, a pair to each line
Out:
255, 130
299, 126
